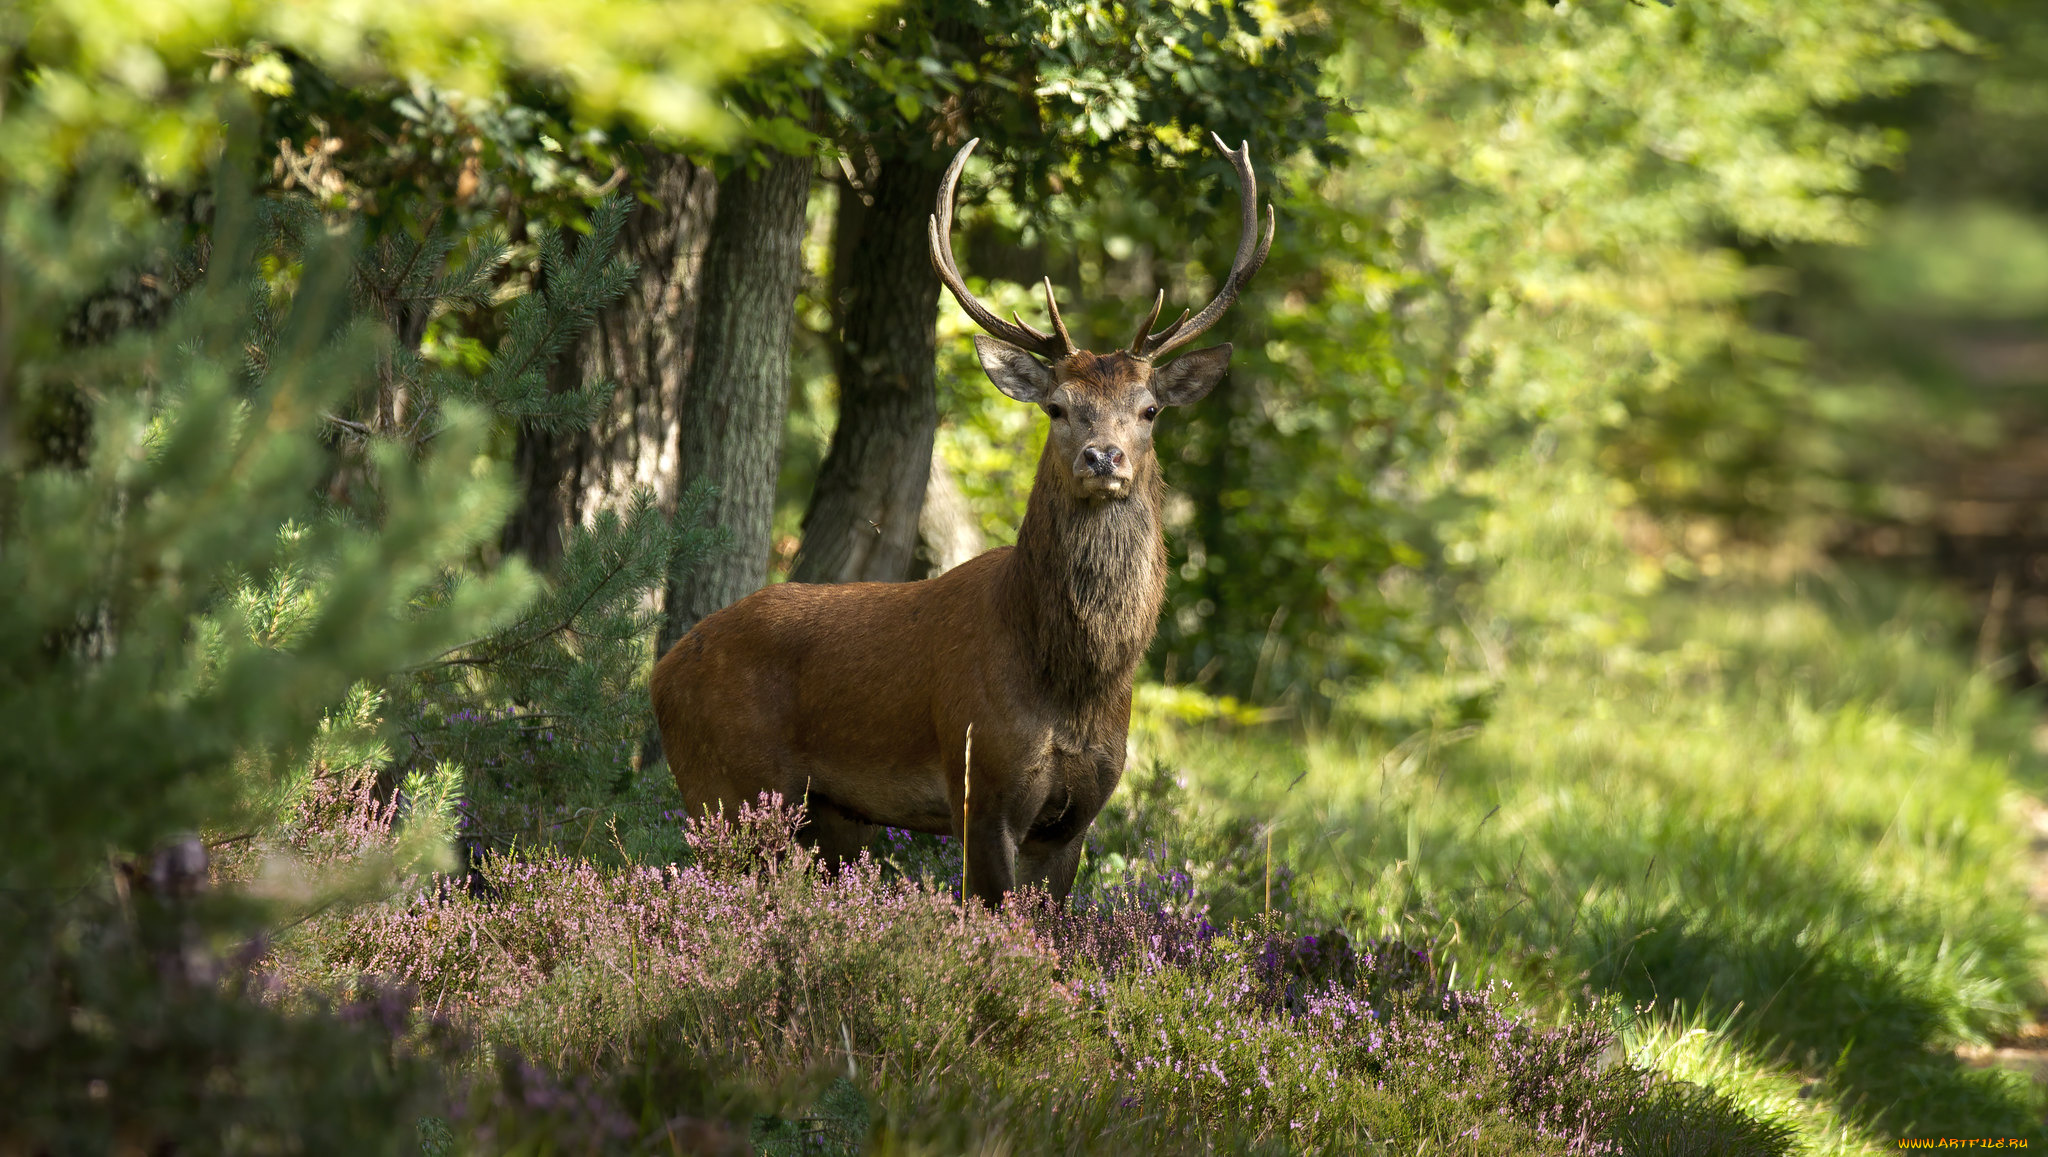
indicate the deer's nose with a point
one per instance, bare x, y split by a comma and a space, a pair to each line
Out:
1102, 459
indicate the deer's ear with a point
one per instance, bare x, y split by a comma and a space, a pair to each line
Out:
1189, 377
1014, 372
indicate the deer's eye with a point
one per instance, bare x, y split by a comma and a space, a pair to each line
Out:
1151, 412
1055, 411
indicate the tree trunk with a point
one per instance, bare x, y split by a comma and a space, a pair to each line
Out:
734, 410
642, 346
862, 524
948, 534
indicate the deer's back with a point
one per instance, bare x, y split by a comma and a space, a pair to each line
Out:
811, 681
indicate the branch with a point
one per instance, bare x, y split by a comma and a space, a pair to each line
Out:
338, 420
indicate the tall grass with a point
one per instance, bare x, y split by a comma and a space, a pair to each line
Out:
1780, 816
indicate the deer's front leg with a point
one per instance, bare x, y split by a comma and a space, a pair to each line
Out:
997, 804
991, 858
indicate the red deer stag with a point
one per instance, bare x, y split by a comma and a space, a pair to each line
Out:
858, 698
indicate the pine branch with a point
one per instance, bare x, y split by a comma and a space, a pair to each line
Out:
570, 292
470, 287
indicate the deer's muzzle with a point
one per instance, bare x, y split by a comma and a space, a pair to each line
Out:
1103, 470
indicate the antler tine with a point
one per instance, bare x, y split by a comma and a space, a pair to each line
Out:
1145, 327
1059, 325
1251, 253
1037, 335
1170, 330
940, 234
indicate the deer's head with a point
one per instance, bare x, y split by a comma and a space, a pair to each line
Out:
1103, 406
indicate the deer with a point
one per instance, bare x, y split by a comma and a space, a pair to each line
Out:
874, 702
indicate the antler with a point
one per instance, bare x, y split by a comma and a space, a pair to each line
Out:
1150, 345
1251, 253
1052, 346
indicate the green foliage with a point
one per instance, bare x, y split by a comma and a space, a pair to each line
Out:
1063, 88
1918, 343
135, 673
543, 712
209, 649
205, 1071
1559, 188
542, 326
136, 81
406, 281
184, 619
547, 713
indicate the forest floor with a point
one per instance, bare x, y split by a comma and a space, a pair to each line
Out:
1783, 830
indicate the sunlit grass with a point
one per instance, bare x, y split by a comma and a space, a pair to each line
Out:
1790, 807
1695, 1049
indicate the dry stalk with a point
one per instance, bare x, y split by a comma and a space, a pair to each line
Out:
966, 796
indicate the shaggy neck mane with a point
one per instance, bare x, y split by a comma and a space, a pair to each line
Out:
1088, 577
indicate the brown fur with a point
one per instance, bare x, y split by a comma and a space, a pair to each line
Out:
857, 698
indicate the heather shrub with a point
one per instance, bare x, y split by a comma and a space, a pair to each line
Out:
603, 990
128, 1063
750, 956
1313, 1040
931, 860
760, 837
1159, 839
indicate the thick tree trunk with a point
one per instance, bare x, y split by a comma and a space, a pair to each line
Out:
862, 524
738, 397
642, 346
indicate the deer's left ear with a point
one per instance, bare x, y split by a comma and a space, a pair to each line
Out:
1189, 377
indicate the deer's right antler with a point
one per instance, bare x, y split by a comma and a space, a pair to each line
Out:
1051, 346
1251, 253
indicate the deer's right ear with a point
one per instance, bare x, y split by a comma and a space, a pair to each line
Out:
1014, 372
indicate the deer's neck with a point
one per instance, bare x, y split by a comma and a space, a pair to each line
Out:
1089, 577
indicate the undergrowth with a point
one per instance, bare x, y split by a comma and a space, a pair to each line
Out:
1116, 1025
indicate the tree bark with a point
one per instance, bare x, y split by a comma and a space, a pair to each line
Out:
862, 524
738, 397
642, 345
